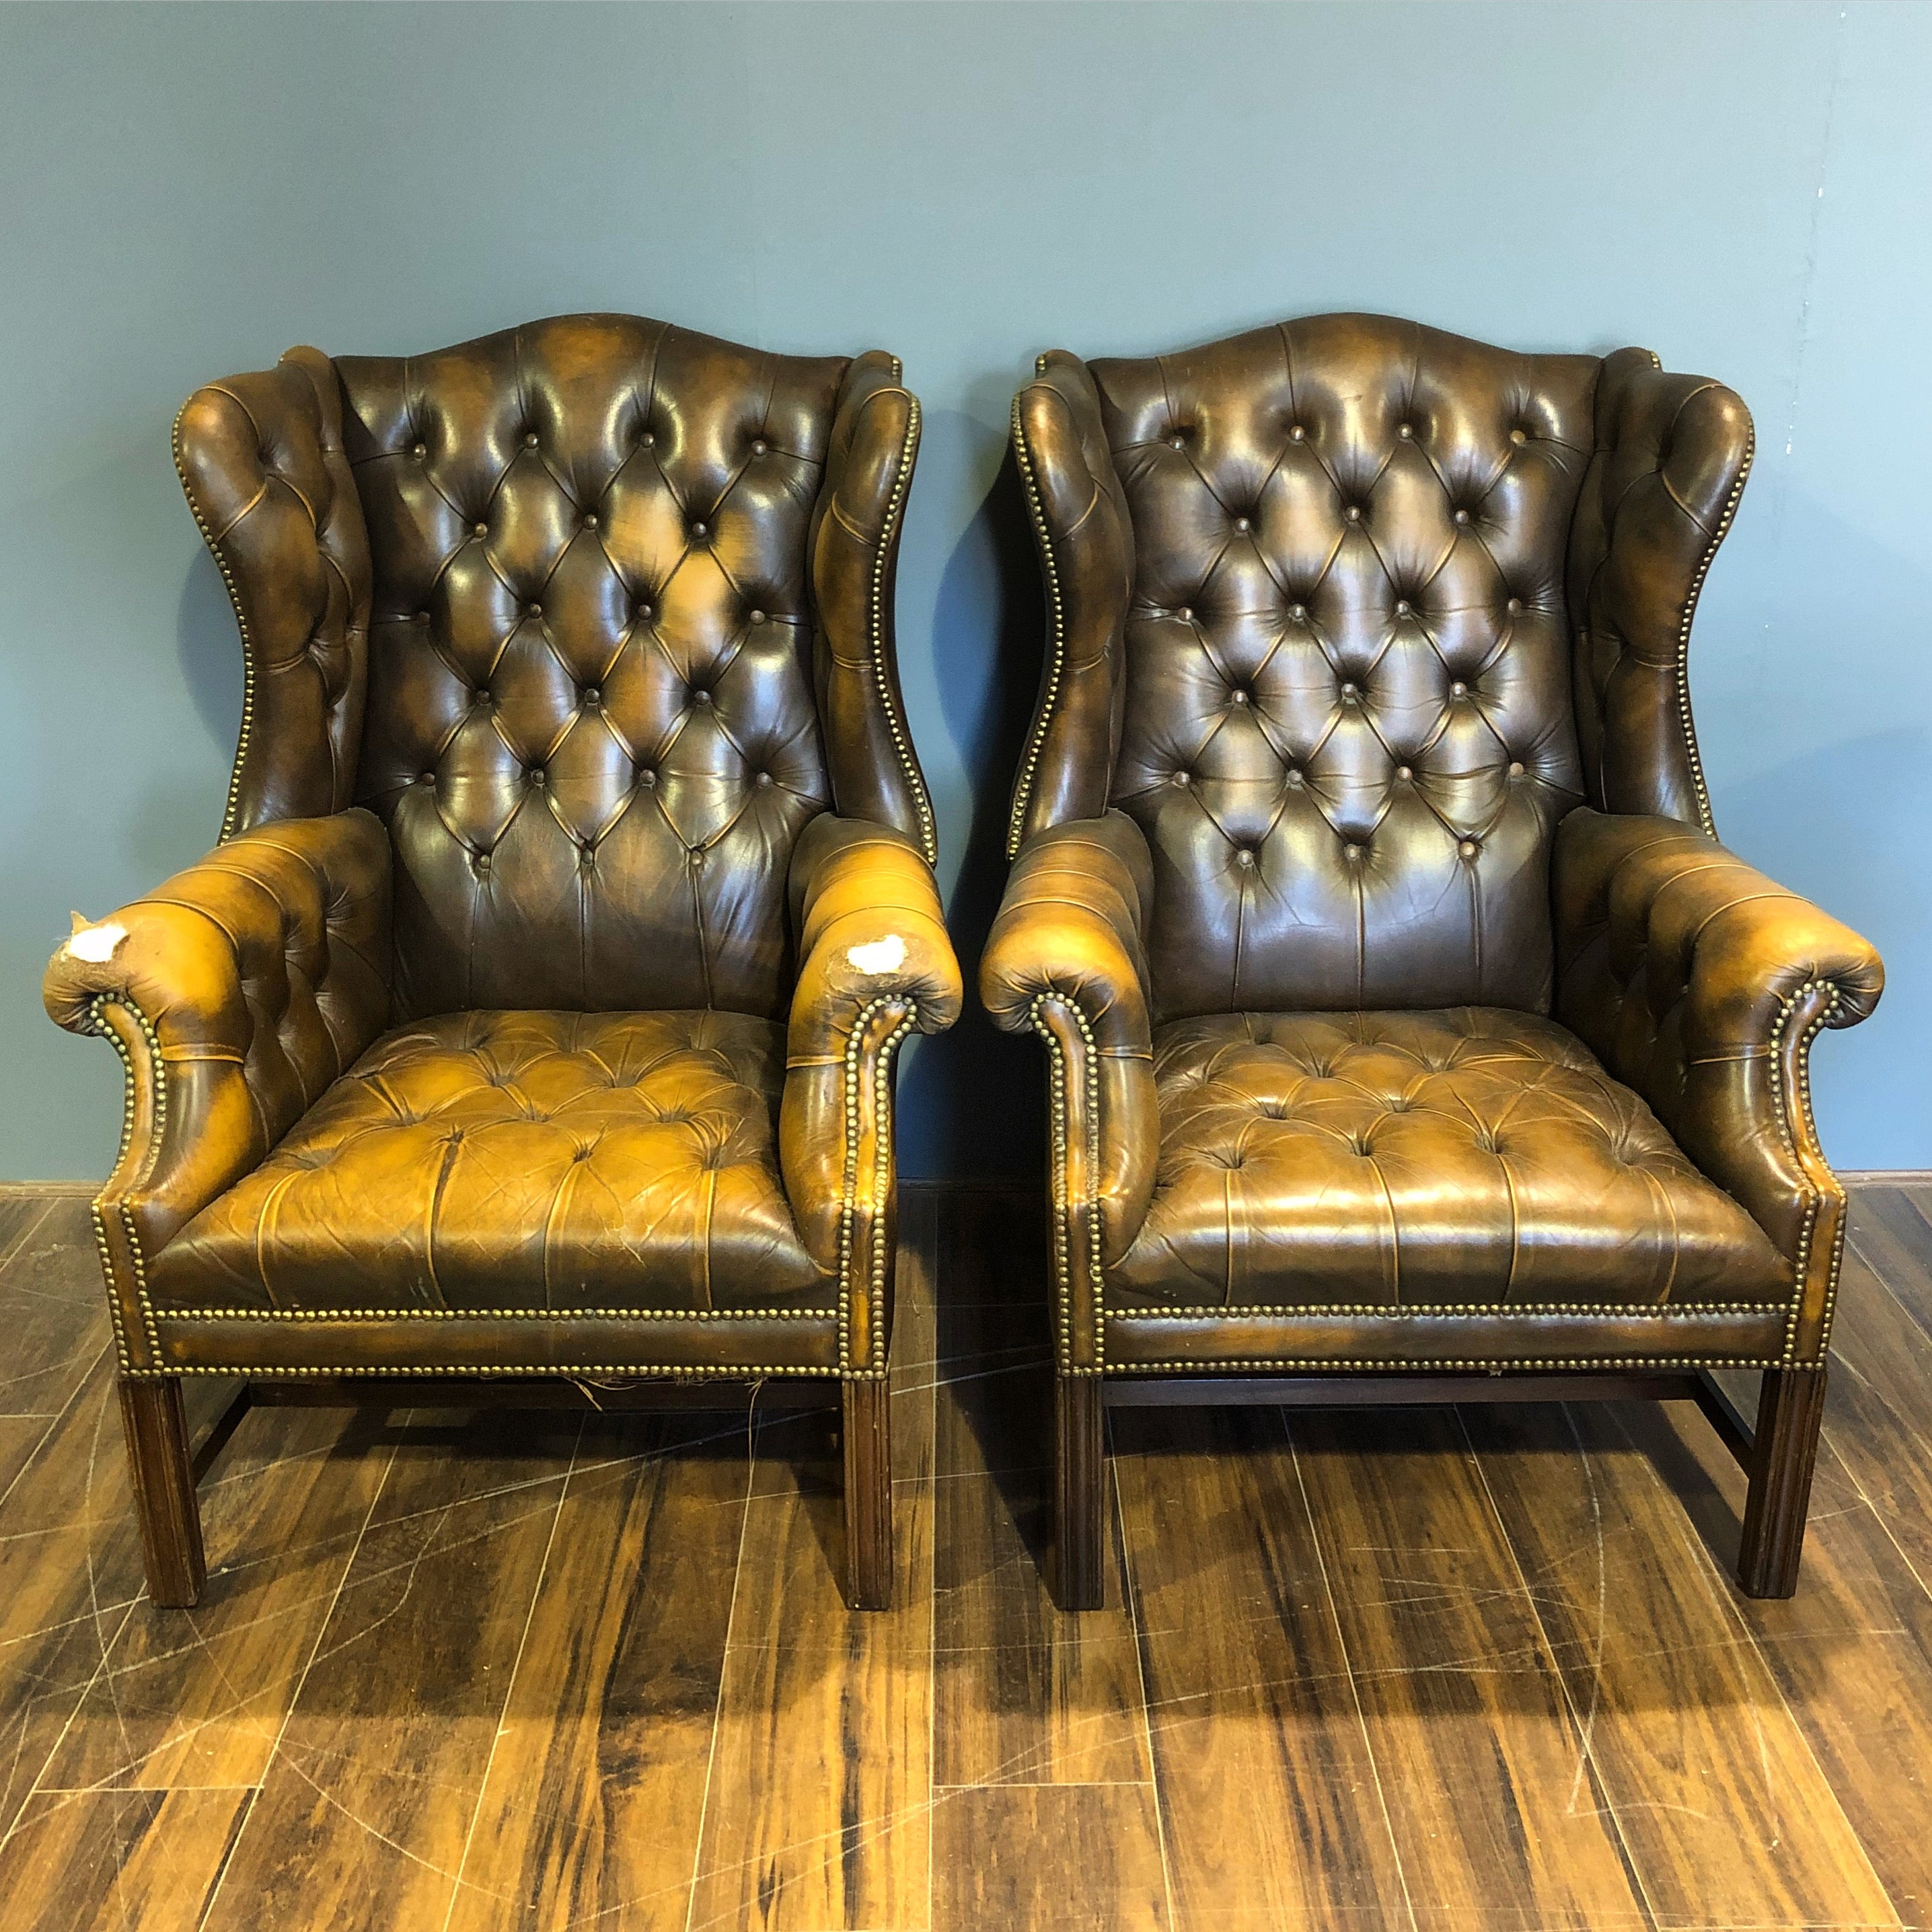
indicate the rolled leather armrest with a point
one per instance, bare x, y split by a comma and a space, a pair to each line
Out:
876, 963
1701, 983
237, 991
1068, 941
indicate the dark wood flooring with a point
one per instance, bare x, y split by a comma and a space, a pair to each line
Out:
1442, 1670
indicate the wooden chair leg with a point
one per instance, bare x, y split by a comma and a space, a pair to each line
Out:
1080, 1489
868, 1495
163, 1480
1789, 1410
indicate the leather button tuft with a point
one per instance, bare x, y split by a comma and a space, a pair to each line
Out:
1353, 513
530, 439
700, 696
587, 856
1349, 691
593, 695
647, 440
647, 777
1404, 431
1513, 605
425, 778
1242, 523
1244, 858
1467, 848
1351, 853
1462, 516
532, 610
644, 611
1185, 614
1299, 612
1517, 436
699, 530
754, 616
697, 857
482, 861
1182, 778
1238, 696
758, 446
1298, 434
1402, 606
536, 775
590, 520
421, 449
1515, 769
1175, 442
1459, 689
764, 778
1404, 772
1294, 778
422, 616
481, 530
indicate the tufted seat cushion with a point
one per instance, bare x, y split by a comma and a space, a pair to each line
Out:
1470, 1156
519, 1161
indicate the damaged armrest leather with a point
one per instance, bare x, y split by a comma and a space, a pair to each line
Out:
876, 963
236, 992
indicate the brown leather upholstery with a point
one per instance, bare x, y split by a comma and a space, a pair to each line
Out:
532, 1161
1413, 1159
1363, 742
572, 1051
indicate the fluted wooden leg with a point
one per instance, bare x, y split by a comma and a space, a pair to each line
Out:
163, 1480
1080, 1488
1789, 1410
869, 1495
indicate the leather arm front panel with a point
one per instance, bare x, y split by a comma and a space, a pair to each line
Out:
878, 964
1066, 957
1081, 522
854, 556
1701, 983
237, 992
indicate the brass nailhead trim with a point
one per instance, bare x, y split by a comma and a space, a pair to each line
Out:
157, 1070
805, 1315
929, 842
241, 622
1056, 637
1064, 1207
1796, 1122
729, 1371
1683, 636
848, 1209
1287, 1366
1651, 1311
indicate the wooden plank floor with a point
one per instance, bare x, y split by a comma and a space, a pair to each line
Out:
1459, 1670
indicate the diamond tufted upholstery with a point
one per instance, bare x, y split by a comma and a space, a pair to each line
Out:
1302, 1154
538, 1014
527, 1160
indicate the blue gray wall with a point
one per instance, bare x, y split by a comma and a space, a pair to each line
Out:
184, 191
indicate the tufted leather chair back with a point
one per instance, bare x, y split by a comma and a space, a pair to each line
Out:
543, 602
1342, 698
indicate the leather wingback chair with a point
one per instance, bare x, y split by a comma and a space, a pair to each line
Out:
535, 1016
1404, 1015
